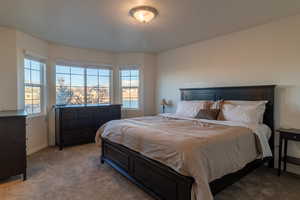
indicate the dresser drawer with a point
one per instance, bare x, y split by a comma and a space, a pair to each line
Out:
79, 124
12, 146
291, 136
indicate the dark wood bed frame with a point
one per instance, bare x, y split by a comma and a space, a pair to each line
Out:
162, 182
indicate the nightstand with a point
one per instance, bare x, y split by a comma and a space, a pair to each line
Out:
286, 135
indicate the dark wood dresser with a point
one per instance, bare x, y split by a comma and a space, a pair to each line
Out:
78, 124
12, 144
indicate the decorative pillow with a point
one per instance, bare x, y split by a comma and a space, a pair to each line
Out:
216, 104
260, 107
211, 114
241, 113
191, 108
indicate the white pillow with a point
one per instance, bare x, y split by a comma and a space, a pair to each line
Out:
260, 107
241, 113
190, 108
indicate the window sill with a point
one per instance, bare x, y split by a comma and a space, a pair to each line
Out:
131, 109
33, 116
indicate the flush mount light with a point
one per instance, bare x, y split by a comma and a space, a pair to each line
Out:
143, 14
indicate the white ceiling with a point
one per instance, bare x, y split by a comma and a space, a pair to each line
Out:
106, 24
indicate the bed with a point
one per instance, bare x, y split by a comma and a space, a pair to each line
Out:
164, 182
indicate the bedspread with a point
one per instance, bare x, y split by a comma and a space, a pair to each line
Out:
201, 149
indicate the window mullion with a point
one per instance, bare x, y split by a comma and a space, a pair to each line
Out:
85, 85
130, 89
98, 86
70, 84
96, 79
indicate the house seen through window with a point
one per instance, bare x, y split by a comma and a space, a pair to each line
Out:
130, 85
82, 85
33, 79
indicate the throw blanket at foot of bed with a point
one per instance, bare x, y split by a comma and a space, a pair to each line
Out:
201, 149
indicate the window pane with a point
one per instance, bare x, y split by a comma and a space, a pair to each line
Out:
125, 81
33, 83
63, 95
134, 93
36, 93
36, 106
63, 69
130, 88
104, 72
27, 63
77, 95
90, 71
77, 70
35, 77
35, 65
126, 94
27, 75
77, 80
134, 103
28, 92
70, 89
125, 73
28, 106
134, 82
104, 95
134, 73
92, 95
104, 81
92, 81
62, 80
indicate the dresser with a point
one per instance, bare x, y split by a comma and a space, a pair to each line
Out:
12, 144
78, 124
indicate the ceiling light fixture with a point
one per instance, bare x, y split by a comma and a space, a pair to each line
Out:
143, 14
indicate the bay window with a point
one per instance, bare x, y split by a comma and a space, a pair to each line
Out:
82, 85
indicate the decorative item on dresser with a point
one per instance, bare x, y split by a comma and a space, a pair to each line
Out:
164, 103
286, 135
78, 124
12, 144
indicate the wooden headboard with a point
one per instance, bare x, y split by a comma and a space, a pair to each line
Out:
250, 93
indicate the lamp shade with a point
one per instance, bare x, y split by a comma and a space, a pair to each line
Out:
163, 102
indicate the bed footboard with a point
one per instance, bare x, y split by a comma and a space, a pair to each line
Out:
159, 180
156, 179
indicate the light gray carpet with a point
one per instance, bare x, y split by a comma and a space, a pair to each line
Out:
76, 174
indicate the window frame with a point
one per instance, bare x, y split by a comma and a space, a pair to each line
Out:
85, 86
41, 85
131, 67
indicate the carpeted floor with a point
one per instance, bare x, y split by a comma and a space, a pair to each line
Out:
76, 174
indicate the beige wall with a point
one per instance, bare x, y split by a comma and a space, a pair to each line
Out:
267, 54
150, 65
37, 126
13, 45
40, 129
8, 70
87, 56
74, 55
147, 64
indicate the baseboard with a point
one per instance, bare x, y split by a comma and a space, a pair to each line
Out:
295, 169
36, 149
